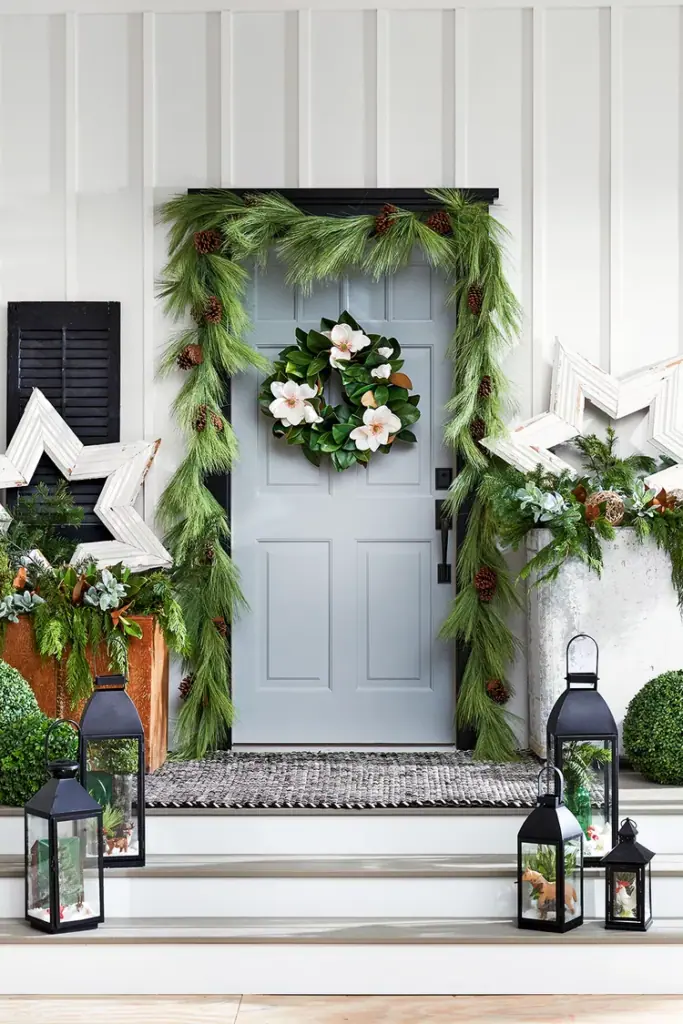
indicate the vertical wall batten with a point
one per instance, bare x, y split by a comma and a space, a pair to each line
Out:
462, 97
150, 491
226, 98
304, 42
538, 323
616, 178
70, 156
383, 112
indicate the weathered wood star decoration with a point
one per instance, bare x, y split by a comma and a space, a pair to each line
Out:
125, 466
658, 388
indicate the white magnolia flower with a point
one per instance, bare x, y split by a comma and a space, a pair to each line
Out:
290, 405
378, 426
382, 372
345, 343
386, 351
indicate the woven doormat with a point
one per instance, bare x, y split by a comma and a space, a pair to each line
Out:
344, 780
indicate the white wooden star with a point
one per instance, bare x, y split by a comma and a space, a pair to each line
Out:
658, 388
125, 466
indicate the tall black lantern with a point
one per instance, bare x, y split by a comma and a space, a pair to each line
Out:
628, 876
63, 849
550, 862
113, 769
583, 743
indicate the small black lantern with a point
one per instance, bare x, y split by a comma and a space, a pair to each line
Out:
113, 769
583, 742
63, 849
550, 862
628, 877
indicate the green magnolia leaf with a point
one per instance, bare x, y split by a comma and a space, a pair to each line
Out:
301, 336
382, 394
406, 412
341, 431
329, 446
346, 318
357, 373
328, 324
318, 364
317, 342
292, 370
299, 358
397, 394
342, 460
414, 399
406, 435
312, 456
296, 435
343, 413
396, 364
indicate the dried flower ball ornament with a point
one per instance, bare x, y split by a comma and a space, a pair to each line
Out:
376, 407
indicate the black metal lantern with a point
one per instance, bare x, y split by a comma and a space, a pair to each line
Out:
628, 877
583, 742
550, 862
63, 844
113, 769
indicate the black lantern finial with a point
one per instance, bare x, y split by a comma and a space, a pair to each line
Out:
628, 879
550, 863
113, 769
583, 742
63, 850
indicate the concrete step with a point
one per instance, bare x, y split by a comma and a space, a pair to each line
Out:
301, 833
329, 887
368, 956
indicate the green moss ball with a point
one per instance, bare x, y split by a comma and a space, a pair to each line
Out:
653, 730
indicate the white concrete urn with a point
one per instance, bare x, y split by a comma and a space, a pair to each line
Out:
631, 611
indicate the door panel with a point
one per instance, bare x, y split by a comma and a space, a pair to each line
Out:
340, 568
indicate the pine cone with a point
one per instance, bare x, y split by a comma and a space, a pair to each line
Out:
251, 199
185, 688
440, 222
221, 627
217, 422
207, 241
475, 299
497, 691
485, 389
485, 583
385, 218
191, 355
477, 429
209, 555
200, 418
213, 311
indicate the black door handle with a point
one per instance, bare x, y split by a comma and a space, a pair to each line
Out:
444, 523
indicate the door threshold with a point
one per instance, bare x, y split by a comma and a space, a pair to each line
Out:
365, 748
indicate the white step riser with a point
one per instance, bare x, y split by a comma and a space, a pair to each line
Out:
338, 835
454, 969
464, 897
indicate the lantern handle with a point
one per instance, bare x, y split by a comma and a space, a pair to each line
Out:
551, 768
62, 721
575, 675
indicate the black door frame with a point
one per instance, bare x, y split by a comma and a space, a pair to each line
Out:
350, 202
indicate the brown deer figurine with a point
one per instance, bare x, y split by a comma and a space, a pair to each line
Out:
547, 893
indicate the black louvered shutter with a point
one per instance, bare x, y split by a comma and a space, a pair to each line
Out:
71, 351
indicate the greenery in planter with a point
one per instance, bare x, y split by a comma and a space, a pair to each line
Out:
17, 699
544, 860
77, 610
582, 512
578, 762
653, 728
22, 756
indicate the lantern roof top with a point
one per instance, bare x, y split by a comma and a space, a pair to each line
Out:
110, 713
550, 822
581, 713
62, 797
627, 850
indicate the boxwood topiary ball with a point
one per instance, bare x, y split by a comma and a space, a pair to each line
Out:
16, 696
22, 756
653, 728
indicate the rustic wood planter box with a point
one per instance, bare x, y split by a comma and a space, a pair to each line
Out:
147, 679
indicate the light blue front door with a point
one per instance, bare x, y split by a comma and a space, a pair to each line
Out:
340, 569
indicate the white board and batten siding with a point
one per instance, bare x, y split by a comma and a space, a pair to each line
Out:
572, 110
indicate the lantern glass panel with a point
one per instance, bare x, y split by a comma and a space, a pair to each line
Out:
625, 895
539, 869
38, 880
588, 790
77, 870
113, 780
573, 866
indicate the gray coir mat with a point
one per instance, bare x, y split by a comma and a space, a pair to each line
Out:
344, 780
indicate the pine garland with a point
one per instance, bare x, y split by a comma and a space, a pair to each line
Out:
209, 266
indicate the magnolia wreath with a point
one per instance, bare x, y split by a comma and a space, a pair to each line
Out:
376, 407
